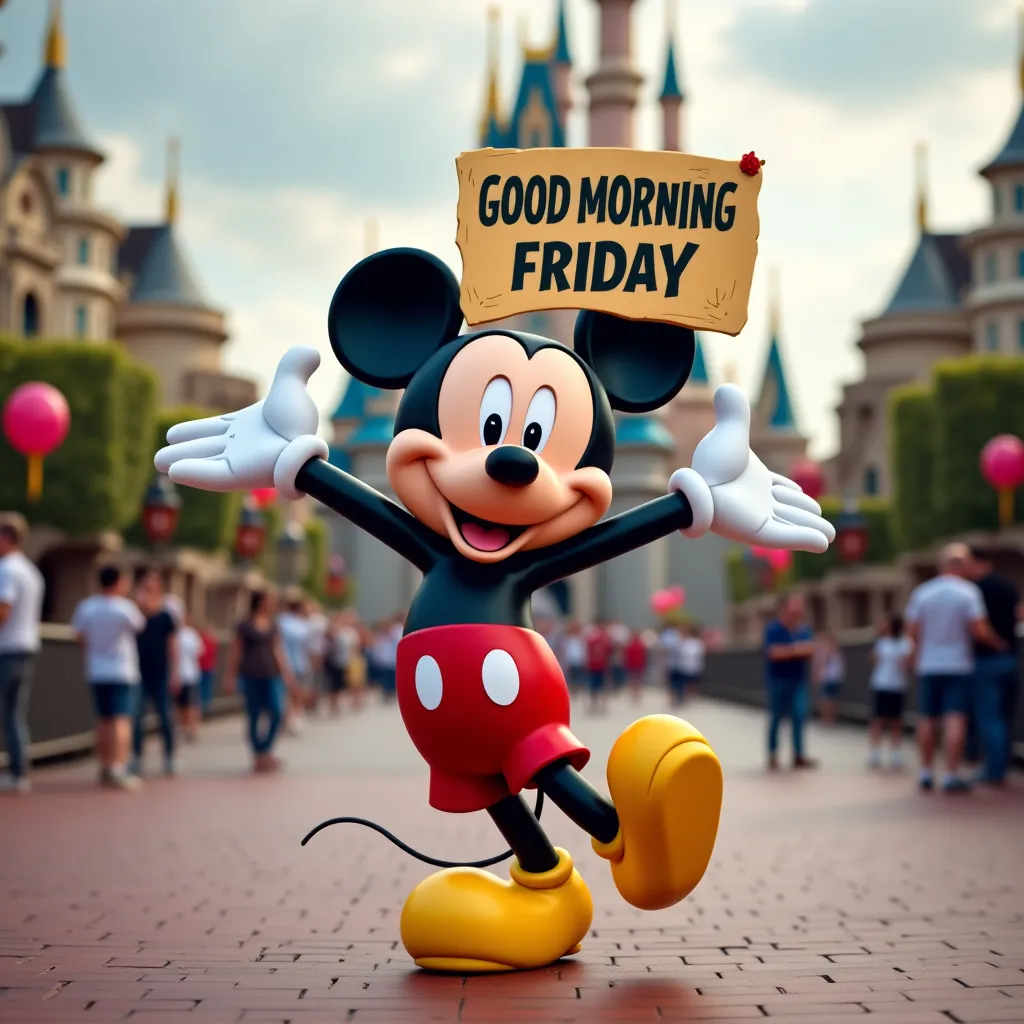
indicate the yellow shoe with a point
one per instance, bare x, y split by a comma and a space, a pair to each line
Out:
666, 784
469, 921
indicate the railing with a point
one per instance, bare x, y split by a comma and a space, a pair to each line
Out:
61, 717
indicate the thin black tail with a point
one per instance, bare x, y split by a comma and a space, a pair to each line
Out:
415, 853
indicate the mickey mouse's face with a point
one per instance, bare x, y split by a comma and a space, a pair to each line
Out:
504, 475
503, 442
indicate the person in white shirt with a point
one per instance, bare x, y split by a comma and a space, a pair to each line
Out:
316, 628
189, 651
293, 629
574, 650
944, 617
829, 673
690, 658
107, 625
21, 607
891, 660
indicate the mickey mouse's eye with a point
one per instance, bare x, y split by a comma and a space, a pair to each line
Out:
495, 411
540, 418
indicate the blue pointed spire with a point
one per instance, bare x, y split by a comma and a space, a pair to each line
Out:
671, 90
775, 391
562, 55
933, 278
1012, 153
699, 371
355, 401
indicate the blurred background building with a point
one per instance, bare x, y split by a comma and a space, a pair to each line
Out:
649, 447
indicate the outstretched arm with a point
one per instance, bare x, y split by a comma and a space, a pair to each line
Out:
274, 443
368, 509
611, 538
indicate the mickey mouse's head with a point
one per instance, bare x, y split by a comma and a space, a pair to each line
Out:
503, 441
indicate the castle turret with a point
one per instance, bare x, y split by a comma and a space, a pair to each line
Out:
561, 68
996, 299
492, 128
167, 320
671, 98
774, 435
615, 86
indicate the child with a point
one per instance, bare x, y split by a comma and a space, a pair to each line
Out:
635, 659
188, 697
831, 668
107, 625
890, 660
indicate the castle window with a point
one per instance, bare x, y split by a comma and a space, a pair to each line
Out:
81, 321
30, 316
870, 480
26, 203
1018, 198
83, 252
1020, 334
992, 336
1020, 263
991, 267
997, 201
63, 181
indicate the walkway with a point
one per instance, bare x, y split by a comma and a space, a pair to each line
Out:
832, 895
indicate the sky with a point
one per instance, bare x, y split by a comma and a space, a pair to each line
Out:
302, 121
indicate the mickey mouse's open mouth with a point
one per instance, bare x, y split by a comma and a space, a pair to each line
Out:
483, 535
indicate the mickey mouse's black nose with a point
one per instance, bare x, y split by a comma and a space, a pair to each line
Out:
512, 466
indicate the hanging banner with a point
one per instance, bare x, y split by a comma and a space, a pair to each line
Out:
645, 235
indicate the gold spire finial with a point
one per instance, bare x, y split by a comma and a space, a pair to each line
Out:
371, 236
670, 18
774, 314
173, 153
921, 156
56, 45
491, 105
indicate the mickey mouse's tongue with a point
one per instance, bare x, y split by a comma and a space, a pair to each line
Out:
485, 538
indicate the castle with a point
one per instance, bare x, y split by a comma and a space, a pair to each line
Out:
959, 293
69, 269
649, 447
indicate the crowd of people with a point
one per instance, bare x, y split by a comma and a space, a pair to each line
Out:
956, 639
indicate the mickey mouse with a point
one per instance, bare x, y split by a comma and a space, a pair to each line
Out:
502, 448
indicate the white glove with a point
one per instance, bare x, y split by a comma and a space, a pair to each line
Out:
264, 445
733, 493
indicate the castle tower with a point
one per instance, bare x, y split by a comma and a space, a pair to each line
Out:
167, 321
85, 291
923, 322
773, 430
492, 129
671, 98
996, 299
561, 69
615, 85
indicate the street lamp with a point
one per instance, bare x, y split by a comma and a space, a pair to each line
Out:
250, 532
291, 546
161, 509
852, 534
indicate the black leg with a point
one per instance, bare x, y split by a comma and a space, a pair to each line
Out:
523, 833
594, 813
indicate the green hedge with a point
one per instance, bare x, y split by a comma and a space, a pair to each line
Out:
316, 557
912, 455
208, 518
96, 479
975, 399
881, 546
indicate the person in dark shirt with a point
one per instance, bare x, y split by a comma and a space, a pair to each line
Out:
157, 666
788, 648
997, 674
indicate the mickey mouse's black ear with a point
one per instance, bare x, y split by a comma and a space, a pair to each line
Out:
391, 313
642, 364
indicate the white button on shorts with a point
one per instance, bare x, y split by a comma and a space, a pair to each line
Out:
500, 676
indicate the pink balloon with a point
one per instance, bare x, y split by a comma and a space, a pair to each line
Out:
36, 419
1002, 462
779, 559
808, 477
759, 552
678, 595
661, 602
264, 496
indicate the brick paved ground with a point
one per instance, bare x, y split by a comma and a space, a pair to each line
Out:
831, 895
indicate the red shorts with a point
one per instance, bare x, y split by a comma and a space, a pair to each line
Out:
487, 707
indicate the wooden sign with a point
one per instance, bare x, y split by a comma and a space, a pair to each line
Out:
650, 236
